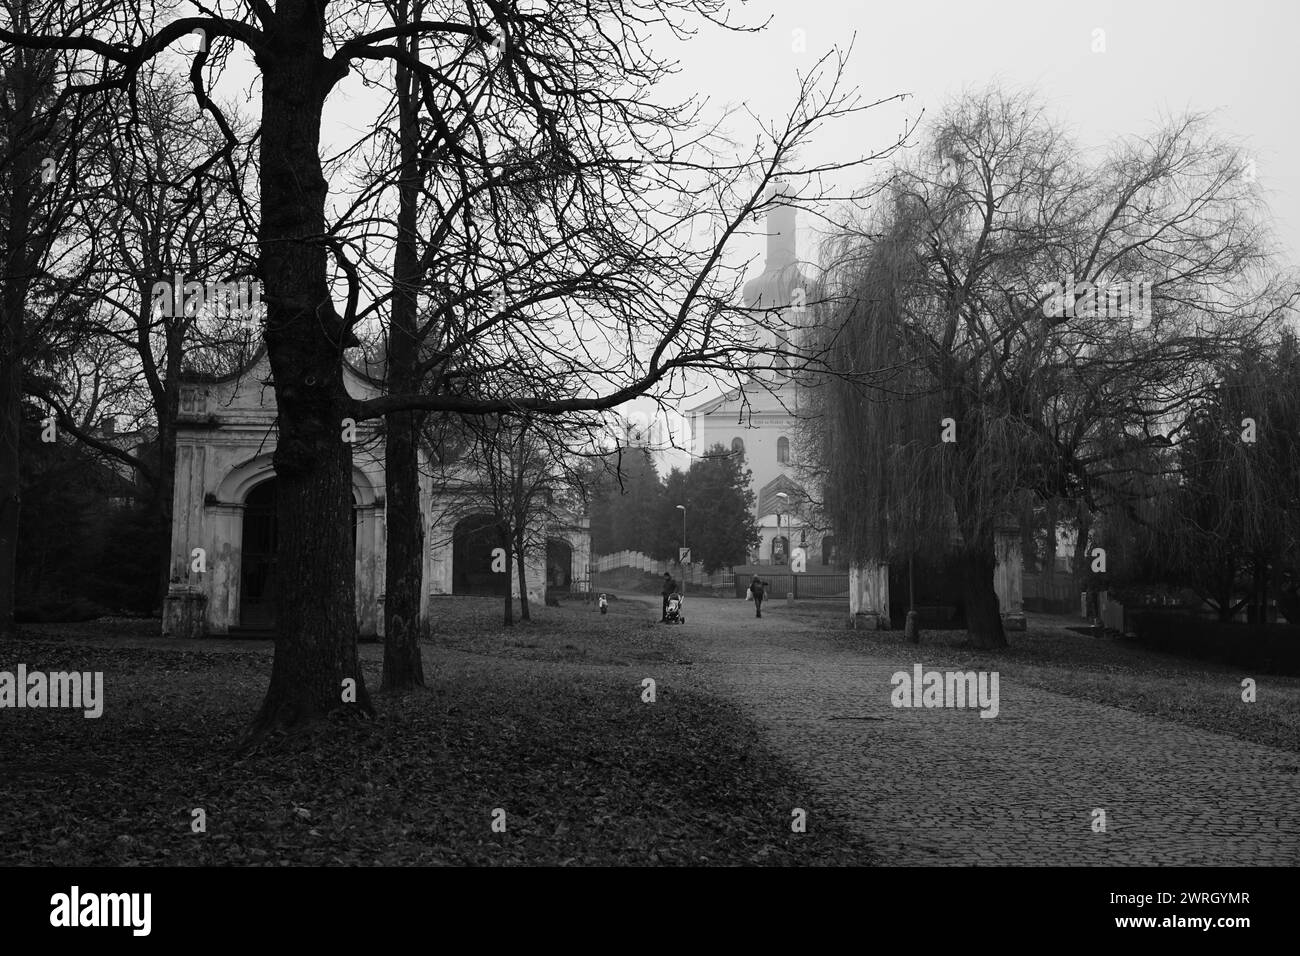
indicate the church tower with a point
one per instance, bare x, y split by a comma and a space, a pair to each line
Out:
760, 418
781, 286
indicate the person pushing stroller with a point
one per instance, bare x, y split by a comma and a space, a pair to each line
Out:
670, 588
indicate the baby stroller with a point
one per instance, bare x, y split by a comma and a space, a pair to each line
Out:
674, 614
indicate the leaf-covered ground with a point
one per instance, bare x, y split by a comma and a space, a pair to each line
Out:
544, 721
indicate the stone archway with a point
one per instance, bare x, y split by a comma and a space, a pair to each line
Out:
258, 582
559, 565
239, 517
473, 540
257, 577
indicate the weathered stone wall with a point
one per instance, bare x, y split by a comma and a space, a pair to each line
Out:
225, 442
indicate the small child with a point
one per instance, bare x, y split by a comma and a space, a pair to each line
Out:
604, 604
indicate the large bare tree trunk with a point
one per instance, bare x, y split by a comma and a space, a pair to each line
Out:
164, 494
316, 642
11, 414
403, 667
520, 534
404, 569
1082, 567
1049, 562
15, 282
503, 538
983, 613
977, 559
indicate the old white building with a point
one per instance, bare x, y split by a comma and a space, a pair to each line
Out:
223, 565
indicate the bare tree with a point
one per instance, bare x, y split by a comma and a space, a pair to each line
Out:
1029, 321
43, 138
604, 295
156, 226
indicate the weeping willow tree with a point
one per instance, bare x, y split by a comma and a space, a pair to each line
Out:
921, 459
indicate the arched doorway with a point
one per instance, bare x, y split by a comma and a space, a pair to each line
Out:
473, 540
559, 564
257, 577
257, 563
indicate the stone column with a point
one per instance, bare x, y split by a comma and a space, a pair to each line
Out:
534, 565
1008, 578
438, 549
579, 540
869, 596
368, 572
187, 507
380, 537
185, 607
224, 565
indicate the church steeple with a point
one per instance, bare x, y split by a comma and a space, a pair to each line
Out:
780, 231
778, 294
774, 287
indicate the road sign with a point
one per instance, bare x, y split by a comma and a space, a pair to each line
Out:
684, 555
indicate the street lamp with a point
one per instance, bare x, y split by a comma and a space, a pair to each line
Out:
682, 509
784, 501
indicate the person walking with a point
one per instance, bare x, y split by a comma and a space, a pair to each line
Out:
756, 592
669, 587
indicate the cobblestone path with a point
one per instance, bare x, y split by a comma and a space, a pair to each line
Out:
945, 786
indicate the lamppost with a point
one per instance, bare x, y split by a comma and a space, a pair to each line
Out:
784, 501
682, 509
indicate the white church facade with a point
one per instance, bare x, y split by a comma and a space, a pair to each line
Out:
223, 556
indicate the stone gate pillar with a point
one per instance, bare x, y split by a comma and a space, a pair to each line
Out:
1008, 578
185, 608
869, 596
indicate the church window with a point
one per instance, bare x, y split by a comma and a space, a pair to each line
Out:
783, 450
737, 446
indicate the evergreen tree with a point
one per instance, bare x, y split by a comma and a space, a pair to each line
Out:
625, 504
720, 525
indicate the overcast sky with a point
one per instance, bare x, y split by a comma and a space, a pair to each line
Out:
1237, 61
1161, 58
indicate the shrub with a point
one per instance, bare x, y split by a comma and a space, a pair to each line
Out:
1274, 648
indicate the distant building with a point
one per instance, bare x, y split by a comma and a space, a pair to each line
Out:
760, 418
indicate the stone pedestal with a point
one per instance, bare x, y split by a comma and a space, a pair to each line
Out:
1008, 579
185, 612
869, 596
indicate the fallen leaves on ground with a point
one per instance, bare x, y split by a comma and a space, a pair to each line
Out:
586, 772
